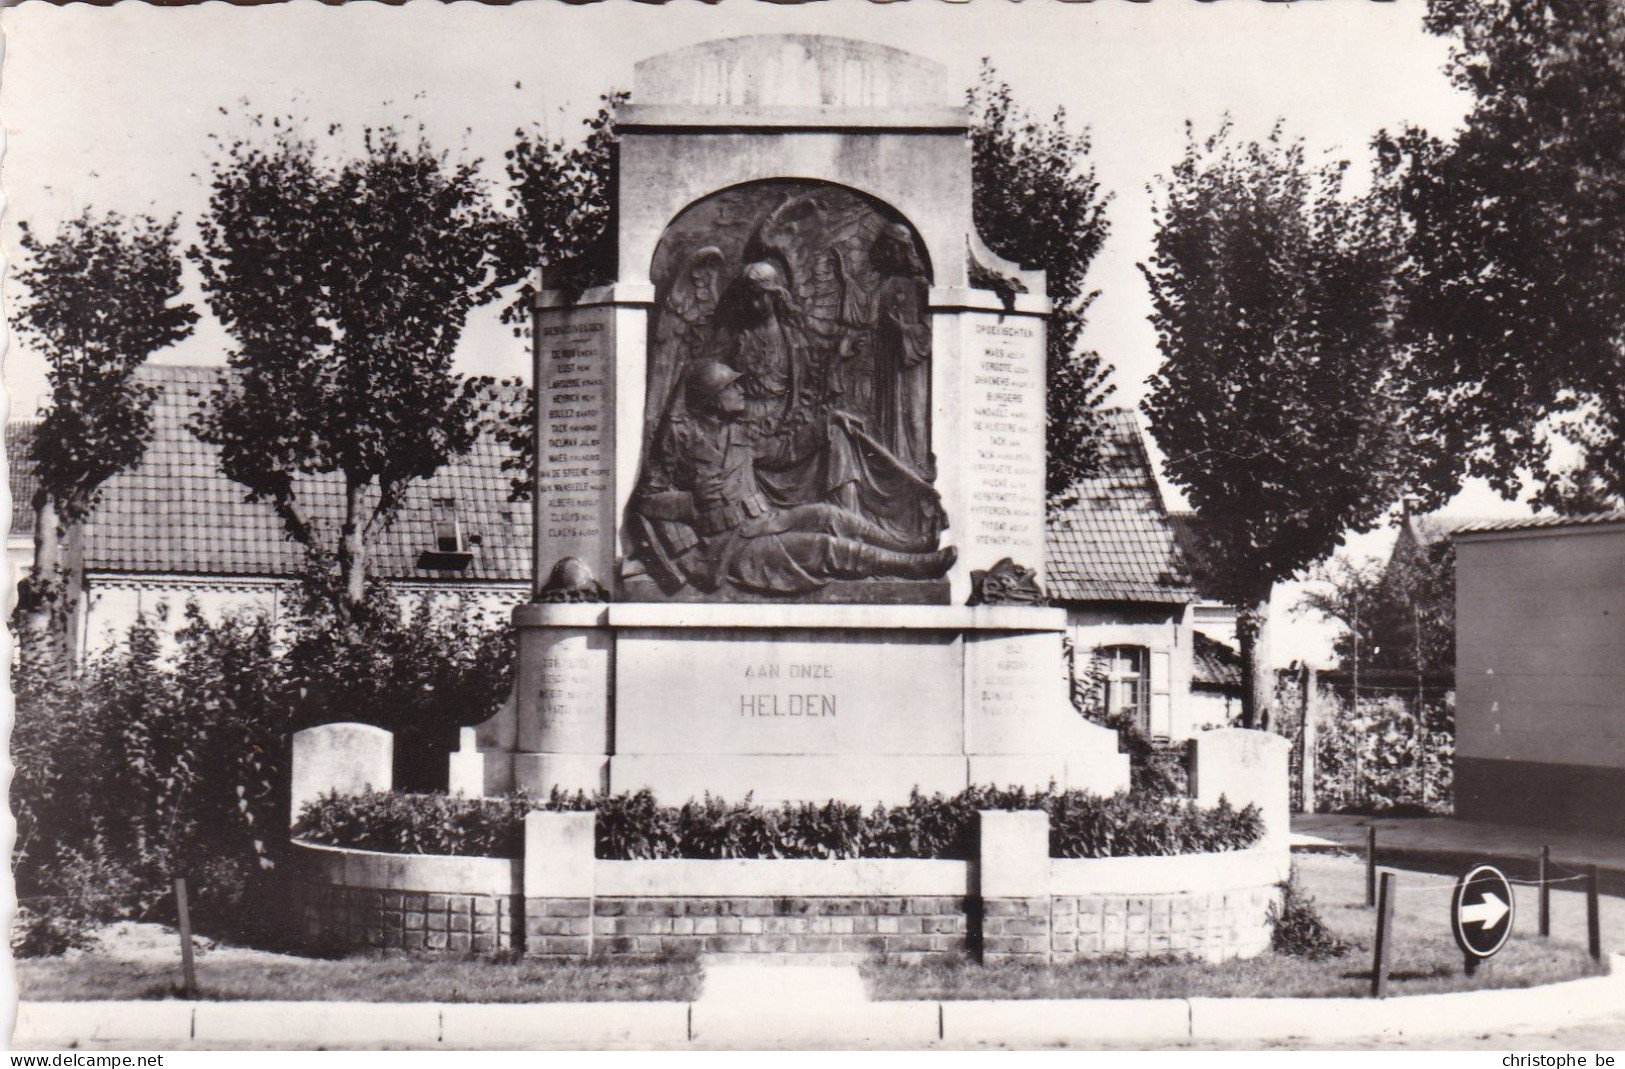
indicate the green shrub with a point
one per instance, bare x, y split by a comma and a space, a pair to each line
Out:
163, 755
635, 826
1296, 928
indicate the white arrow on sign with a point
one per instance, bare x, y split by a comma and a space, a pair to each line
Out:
1487, 913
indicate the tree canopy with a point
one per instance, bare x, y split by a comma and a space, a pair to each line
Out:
1515, 278
345, 288
1276, 401
1039, 204
101, 296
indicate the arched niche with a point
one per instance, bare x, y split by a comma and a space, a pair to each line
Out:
815, 296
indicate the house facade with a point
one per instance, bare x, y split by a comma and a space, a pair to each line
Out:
1540, 672
175, 531
1116, 566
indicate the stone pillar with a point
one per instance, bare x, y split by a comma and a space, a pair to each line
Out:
1013, 869
347, 758
565, 718
575, 433
988, 397
1248, 768
558, 882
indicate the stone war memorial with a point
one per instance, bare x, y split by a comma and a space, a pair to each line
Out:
781, 432
789, 540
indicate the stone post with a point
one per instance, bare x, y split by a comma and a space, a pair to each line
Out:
558, 882
1013, 873
466, 774
1248, 768
347, 758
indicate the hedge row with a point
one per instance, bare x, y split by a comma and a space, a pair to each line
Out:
635, 826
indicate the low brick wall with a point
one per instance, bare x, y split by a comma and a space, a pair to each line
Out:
1013, 902
1034, 909
352, 899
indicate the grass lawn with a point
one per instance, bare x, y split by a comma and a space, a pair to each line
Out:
1424, 960
398, 977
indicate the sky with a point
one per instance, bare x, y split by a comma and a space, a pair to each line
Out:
118, 108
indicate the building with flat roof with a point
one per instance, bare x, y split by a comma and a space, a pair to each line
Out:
1540, 672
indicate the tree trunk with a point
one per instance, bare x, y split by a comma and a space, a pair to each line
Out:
1257, 679
73, 585
353, 549
49, 599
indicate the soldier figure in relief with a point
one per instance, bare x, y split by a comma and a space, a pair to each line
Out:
729, 486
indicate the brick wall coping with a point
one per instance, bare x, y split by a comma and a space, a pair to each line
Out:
345, 867
800, 878
811, 878
1257, 866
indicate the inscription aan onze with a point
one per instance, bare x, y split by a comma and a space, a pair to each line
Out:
798, 704
575, 476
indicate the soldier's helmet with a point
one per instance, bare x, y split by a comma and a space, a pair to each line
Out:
763, 275
705, 381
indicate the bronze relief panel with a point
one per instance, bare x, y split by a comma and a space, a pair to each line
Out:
786, 439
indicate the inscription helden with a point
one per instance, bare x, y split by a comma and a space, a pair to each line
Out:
1005, 418
573, 410
794, 704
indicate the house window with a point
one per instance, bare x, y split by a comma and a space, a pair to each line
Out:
1128, 683
448, 527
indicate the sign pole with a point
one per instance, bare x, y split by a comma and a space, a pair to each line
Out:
1380, 955
1545, 890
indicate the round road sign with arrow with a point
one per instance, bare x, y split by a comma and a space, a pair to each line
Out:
1481, 912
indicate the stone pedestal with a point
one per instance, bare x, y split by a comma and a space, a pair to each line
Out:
800, 703
563, 691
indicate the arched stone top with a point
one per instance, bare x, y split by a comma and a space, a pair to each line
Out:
791, 70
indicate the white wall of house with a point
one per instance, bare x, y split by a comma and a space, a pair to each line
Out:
1164, 632
1540, 670
116, 602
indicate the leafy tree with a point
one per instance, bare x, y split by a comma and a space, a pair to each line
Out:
345, 288
101, 298
1398, 617
1515, 279
1348, 591
421, 670
1276, 401
563, 197
1039, 204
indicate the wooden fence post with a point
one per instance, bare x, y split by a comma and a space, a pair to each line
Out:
1385, 937
1593, 915
1306, 735
1370, 866
184, 917
1545, 890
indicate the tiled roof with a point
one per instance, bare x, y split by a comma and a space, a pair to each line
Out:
1114, 542
1214, 664
1190, 535
1540, 522
19, 440
1437, 527
176, 514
